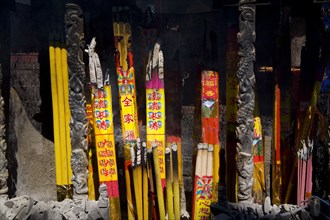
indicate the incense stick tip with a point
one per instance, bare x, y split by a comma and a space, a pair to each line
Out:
174, 147
153, 145
184, 214
205, 146
200, 146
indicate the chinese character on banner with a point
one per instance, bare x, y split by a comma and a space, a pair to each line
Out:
104, 143
154, 115
101, 103
154, 105
128, 118
127, 102
154, 96
209, 93
154, 125
108, 172
106, 153
129, 135
103, 124
99, 94
101, 114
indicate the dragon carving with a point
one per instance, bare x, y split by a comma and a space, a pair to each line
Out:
3, 147
78, 121
246, 98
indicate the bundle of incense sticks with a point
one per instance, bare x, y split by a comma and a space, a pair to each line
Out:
305, 126
174, 142
203, 182
145, 197
169, 184
104, 130
158, 181
179, 210
61, 114
91, 153
155, 123
128, 177
135, 149
127, 92
232, 60
276, 152
155, 106
210, 121
259, 187
304, 189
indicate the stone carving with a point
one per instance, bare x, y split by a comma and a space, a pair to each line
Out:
3, 147
79, 163
246, 97
309, 210
25, 72
78, 121
95, 71
32, 177
25, 207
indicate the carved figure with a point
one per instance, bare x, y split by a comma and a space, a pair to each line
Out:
95, 70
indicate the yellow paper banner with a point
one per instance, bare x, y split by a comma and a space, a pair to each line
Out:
104, 134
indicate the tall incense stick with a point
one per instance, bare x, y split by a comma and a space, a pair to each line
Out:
198, 176
151, 177
145, 182
160, 196
138, 179
209, 166
61, 114
127, 91
104, 130
176, 190
169, 181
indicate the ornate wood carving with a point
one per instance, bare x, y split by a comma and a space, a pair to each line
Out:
3, 147
78, 121
246, 97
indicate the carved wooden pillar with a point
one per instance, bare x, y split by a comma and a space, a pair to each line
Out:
246, 97
78, 121
3, 147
